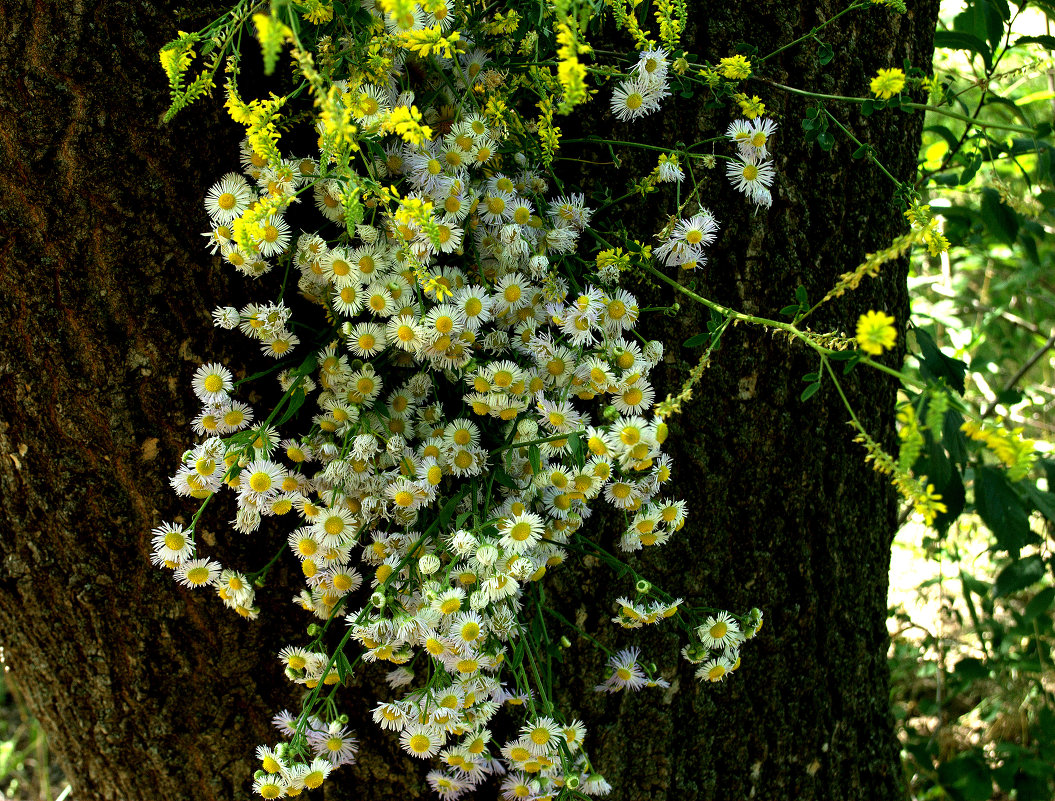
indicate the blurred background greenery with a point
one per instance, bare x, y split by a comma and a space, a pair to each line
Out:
973, 685
26, 769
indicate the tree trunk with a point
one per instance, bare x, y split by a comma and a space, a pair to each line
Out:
148, 691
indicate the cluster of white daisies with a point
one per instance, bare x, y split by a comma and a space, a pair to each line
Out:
469, 408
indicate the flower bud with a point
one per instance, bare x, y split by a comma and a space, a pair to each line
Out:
429, 564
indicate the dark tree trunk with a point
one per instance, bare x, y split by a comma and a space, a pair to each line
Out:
149, 692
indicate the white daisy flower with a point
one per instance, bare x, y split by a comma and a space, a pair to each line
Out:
212, 382
228, 199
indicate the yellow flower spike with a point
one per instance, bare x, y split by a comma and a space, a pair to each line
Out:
876, 333
887, 83
735, 68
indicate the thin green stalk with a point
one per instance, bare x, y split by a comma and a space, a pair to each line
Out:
814, 31
554, 613
905, 104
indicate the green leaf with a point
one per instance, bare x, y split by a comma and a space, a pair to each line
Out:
575, 445
935, 463
971, 169
971, 669
696, 340
957, 40
809, 391
1047, 42
1000, 219
1039, 604
447, 512
503, 478
1001, 509
1018, 575
968, 774
535, 457
954, 496
296, 400
949, 137
936, 365
1044, 502
1029, 245
789, 311
344, 667
826, 140
844, 355
825, 53
952, 438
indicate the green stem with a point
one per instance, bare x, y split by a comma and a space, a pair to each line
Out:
813, 32
871, 155
554, 438
554, 613
905, 104
631, 144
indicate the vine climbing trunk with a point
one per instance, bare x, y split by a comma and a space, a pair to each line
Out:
147, 691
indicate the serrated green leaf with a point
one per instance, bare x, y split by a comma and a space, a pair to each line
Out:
1000, 219
1001, 509
936, 365
1018, 575
958, 40
1047, 42
1044, 502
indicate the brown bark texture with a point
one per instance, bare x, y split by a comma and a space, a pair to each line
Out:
148, 691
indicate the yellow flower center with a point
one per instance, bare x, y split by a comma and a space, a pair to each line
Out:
419, 743
260, 481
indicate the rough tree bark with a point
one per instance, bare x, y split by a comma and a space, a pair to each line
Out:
150, 692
